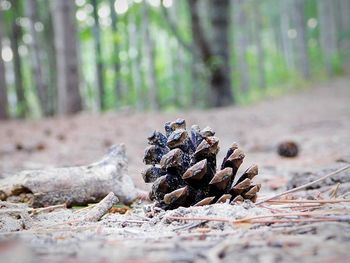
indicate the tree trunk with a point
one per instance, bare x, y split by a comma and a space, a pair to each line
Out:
301, 41
3, 86
16, 35
214, 55
284, 27
116, 62
259, 45
344, 6
98, 57
149, 56
51, 71
221, 94
328, 33
170, 18
36, 61
135, 65
69, 99
241, 44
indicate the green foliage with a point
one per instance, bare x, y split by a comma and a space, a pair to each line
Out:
174, 65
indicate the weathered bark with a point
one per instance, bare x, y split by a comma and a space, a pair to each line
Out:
16, 35
36, 60
3, 86
328, 33
98, 57
214, 55
69, 99
74, 185
302, 54
150, 61
240, 19
116, 62
259, 45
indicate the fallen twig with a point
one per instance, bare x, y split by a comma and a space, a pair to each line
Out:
289, 214
302, 220
304, 185
76, 185
101, 208
334, 191
84, 208
47, 209
253, 219
323, 201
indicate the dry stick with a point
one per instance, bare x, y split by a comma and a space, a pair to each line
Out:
310, 206
276, 221
304, 185
101, 208
48, 208
32, 210
84, 208
97, 211
278, 210
334, 191
290, 214
227, 220
323, 201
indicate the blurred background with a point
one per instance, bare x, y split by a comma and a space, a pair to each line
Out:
59, 57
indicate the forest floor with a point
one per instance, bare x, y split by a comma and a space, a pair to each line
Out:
318, 119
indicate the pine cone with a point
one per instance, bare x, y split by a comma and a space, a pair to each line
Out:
182, 168
288, 149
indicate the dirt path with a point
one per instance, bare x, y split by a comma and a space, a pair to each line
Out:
317, 119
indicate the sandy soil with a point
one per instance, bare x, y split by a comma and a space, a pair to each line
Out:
317, 119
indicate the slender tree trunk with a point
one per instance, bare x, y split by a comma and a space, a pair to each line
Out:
135, 66
344, 13
328, 33
128, 93
215, 55
241, 44
284, 27
301, 41
98, 56
36, 62
259, 45
3, 87
16, 35
116, 62
51, 71
150, 61
195, 78
69, 99
170, 18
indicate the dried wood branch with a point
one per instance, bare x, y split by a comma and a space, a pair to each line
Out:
79, 185
304, 185
100, 209
256, 219
322, 201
